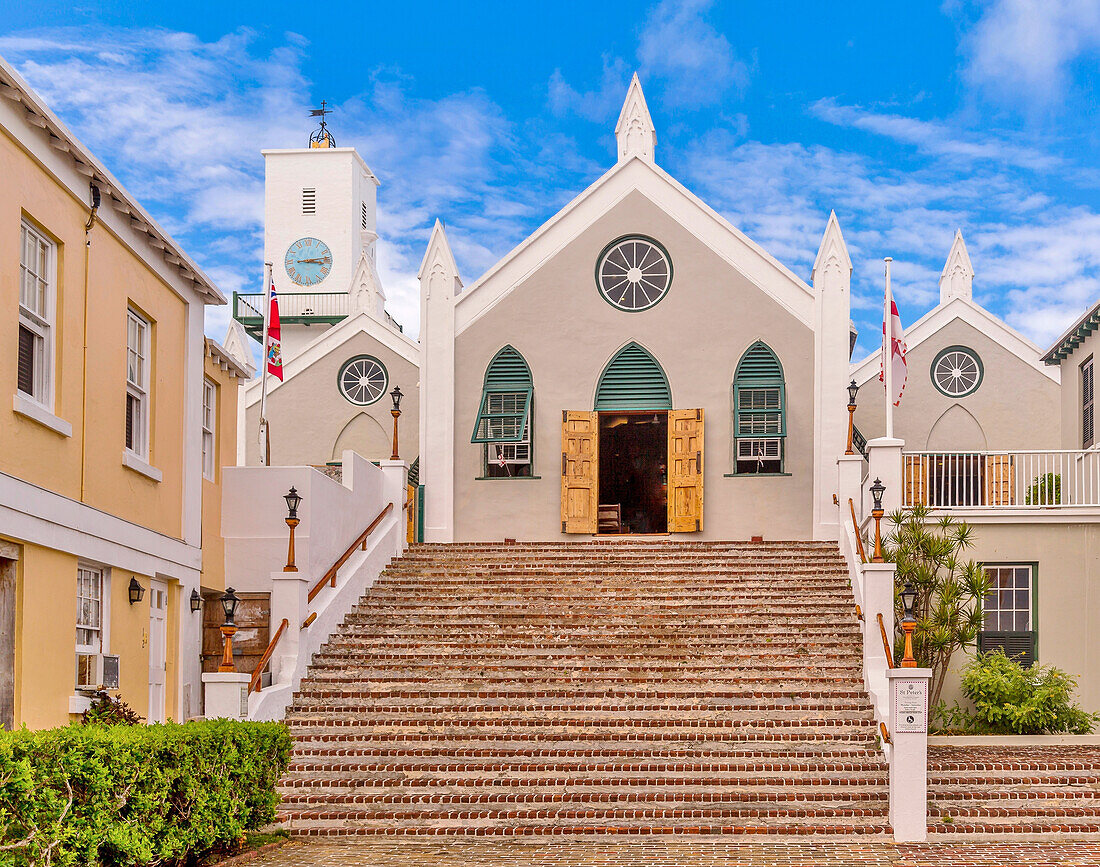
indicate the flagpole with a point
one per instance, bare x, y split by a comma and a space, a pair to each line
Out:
264, 440
888, 352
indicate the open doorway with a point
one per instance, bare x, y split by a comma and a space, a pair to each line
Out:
633, 472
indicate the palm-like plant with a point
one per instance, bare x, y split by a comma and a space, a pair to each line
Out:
927, 553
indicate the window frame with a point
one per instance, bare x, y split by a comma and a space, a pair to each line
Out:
490, 455
102, 643
209, 422
745, 383
139, 391
40, 323
1088, 406
1033, 608
966, 350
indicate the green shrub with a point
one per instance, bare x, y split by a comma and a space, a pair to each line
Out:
1009, 699
1046, 490
131, 795
109, 711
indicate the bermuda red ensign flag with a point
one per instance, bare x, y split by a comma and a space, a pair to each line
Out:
274, 352
893, 344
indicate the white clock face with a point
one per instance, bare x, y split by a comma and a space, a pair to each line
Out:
308, 261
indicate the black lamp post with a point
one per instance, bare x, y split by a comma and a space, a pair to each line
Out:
229, 602
196, 601
853, 390
135, 590
908, 623
877, 490
396, 395
293, 501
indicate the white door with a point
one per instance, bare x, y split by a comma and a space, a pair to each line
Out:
158, 648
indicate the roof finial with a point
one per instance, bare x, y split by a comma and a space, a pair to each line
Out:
321, 137
635, 132
957, 278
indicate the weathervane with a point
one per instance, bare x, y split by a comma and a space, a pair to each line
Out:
321, 138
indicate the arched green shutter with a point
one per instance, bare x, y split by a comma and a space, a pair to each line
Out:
633, 380
505, 399
760, 409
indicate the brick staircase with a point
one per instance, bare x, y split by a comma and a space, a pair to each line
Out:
633, 687
1014, 790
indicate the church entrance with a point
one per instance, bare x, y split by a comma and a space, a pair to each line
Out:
633, 472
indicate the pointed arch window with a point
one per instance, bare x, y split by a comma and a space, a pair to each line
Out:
633, 380
503, 422
760, 412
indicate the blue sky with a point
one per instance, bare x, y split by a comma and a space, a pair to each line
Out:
908, 118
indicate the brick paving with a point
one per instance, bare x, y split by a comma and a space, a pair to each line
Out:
656, 852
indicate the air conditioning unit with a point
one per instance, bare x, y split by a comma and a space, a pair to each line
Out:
764, 450
96, 671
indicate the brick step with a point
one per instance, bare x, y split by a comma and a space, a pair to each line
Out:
861, 736
342, 706
591, 813
318, 690
613, 726
1042, 812
552, 680
1012, 778
643, 647
1015, 827
666, 570
321, 751
302, 772
344, 830
445, 668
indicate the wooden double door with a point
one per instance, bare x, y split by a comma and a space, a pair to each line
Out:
681, 457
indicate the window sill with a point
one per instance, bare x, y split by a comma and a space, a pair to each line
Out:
504, 478
33, 410
754, 475
129, 459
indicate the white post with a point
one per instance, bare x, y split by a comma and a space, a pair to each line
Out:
288, 600
909, 754
878, 598
884, 462
264, 456
225, 694
395, 477
888, 353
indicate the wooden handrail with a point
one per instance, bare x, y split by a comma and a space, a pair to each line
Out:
330, 575
855, 529
885, 642
859, 614
885, 733
254, 684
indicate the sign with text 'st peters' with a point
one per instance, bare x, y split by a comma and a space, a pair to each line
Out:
911, 706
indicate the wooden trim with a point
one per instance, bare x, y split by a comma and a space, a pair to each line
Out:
254, 684
885, 642
885, 733
330, 576
859, 539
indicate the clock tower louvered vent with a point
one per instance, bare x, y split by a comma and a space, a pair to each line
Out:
309, 200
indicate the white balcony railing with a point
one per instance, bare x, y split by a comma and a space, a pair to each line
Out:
294, 305
1002, 480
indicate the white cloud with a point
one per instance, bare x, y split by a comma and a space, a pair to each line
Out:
934, 138
596, 105
1022, 50
694, 61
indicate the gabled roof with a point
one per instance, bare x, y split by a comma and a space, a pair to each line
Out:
668, 194
331, 339
160, 243
1065, 345
227, 361
979, 318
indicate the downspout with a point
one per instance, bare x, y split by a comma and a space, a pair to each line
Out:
92, 216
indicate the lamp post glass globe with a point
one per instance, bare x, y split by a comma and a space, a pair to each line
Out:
135, 590
293, 500
229, 606
196, 600
877, 490
853, 390
909, 603
396, 396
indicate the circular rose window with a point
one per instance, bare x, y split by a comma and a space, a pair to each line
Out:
957, 371
634, 273
363, 380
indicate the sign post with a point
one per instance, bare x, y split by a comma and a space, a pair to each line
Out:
909, 714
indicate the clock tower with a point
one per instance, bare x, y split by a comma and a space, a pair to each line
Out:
319, 232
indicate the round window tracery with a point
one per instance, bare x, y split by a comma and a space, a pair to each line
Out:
634, 273
957, 371
363, 380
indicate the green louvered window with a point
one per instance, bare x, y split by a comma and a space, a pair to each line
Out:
633, 380
504, 416
760, 412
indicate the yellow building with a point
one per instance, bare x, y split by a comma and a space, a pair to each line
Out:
102, 484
